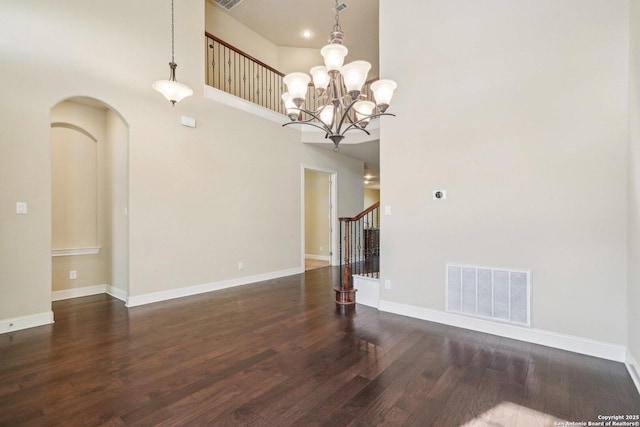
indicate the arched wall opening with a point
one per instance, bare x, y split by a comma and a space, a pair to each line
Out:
89, 200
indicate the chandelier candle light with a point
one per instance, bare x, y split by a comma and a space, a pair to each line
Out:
171, 89
340, 86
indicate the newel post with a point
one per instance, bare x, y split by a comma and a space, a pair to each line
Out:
345, 294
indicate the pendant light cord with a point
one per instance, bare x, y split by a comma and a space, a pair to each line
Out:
172, 33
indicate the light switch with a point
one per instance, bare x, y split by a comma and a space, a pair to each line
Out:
21, 208
387, 210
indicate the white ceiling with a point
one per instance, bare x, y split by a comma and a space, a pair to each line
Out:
282, 23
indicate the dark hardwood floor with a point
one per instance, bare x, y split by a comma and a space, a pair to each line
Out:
277, 353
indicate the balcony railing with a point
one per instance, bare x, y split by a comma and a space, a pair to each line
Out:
231, 70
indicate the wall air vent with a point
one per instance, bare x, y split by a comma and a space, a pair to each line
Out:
493, 294
228, 4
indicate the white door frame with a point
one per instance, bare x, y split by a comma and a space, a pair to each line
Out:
334, 235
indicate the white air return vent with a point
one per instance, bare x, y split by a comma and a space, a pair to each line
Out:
493, 294
228, 4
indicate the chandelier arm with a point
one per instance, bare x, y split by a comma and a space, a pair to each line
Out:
309, 122
373, 116
306, 122
354, 126
344, 115
314, 116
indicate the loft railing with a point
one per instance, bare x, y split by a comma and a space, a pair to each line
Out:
359, 250
231, 70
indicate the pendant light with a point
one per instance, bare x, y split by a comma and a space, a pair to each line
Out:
171, 89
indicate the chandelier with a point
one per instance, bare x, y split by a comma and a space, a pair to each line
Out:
171, 89
338, 86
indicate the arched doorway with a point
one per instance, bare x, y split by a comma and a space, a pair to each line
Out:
89, 206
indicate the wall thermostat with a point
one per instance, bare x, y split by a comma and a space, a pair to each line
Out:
439, 194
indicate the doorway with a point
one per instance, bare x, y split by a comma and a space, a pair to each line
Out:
89, 200
318, 218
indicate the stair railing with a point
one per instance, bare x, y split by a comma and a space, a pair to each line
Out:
359, 250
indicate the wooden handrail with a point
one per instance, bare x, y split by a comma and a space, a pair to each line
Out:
361, 214
359, 250
257, 61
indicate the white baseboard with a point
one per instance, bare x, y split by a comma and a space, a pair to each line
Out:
136, 300
117, 293
25, 322
89, 290
550, 339
318, 257
368, 290
78, 292
634, 369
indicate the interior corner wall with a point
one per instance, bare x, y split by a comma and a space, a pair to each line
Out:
634, 184
371, 196
292, 59
519, 111
223, 26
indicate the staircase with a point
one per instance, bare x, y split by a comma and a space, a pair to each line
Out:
359, 254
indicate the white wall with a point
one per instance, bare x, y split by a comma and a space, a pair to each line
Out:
292, 59
223, 26
371, 196
117, 165
634, 183
200, 200
519, 111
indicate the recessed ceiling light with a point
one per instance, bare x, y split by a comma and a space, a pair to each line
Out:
368, 176
307, 34
366, 182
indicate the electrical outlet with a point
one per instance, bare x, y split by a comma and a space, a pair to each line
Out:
240, 265
21, 208
73, 275
387, 284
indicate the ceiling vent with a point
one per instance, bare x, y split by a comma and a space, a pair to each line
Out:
228, 4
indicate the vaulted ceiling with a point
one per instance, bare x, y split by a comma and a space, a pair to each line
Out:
282, 22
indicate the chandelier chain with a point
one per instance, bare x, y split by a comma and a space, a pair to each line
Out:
337, 27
